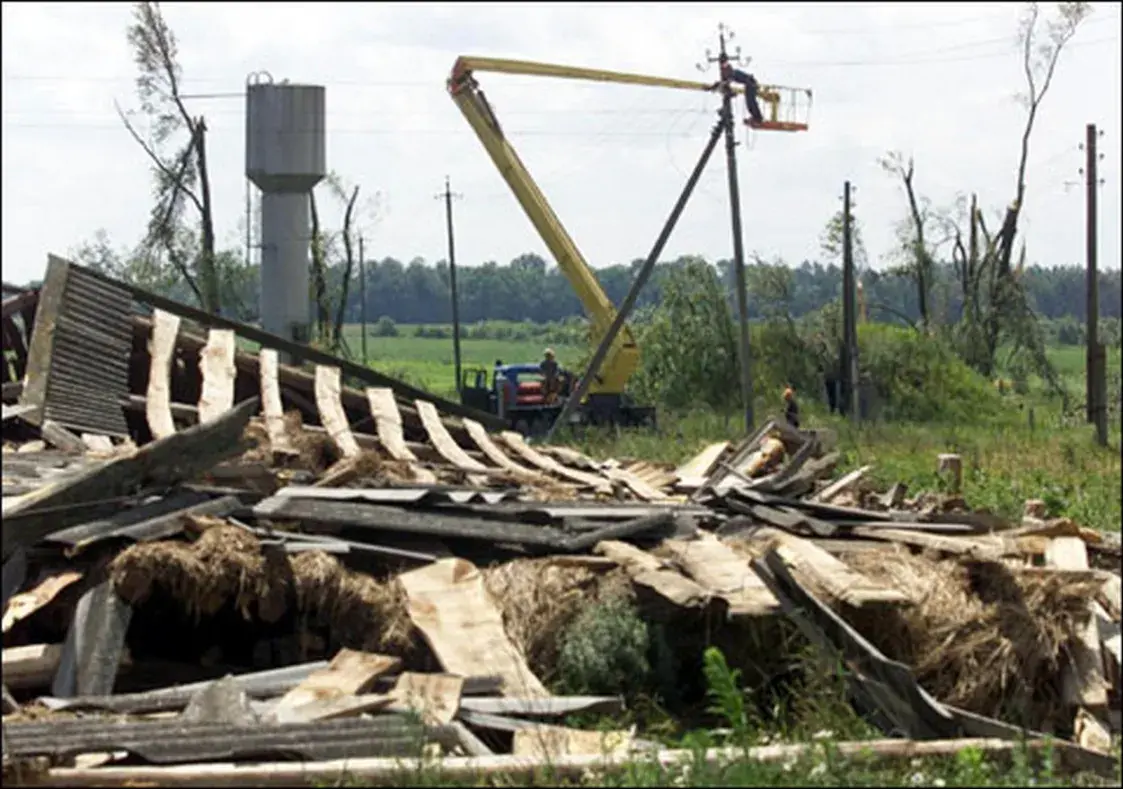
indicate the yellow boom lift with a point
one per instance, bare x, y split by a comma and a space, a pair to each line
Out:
606, 401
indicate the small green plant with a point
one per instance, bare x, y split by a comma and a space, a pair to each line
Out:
723, 687
605, 651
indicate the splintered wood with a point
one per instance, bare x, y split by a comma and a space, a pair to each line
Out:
388, 423
444, 443
721, 571
217, 366
161, 349
496, 455
648, 571
434, 697
331, 411
517, 443
448, 603
279, 440
349, 674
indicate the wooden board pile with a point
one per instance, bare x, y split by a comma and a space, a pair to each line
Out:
363, 578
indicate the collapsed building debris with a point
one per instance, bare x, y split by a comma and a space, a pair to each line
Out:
209, 555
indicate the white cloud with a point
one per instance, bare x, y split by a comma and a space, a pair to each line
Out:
932, 79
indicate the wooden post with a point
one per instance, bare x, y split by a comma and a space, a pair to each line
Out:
1091, 278
952, 466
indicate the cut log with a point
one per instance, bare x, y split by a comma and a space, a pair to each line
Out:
950, 467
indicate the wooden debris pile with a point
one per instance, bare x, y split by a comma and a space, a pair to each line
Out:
269, 563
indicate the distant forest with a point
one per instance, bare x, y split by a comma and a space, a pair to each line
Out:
529, 289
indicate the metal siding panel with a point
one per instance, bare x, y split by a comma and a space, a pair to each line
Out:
89, 360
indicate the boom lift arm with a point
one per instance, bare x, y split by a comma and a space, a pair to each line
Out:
623, 358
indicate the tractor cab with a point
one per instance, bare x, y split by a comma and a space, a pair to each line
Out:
513, 389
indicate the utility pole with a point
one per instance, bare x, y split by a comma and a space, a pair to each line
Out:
448, 195
723, 60
849, 312
1096, 380
363, 296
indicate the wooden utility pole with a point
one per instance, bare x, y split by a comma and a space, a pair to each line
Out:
849, 353
363, 296
448, 195
723, 60
1096, 379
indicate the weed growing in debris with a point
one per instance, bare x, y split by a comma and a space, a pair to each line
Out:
609, 649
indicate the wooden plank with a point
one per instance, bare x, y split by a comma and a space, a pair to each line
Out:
554, 707
841, 485
832, 575
479, 435
271, 406
98, 444
703, 463
24, 604
388, 423
330, 708
350, 673
448, 603
552, 742
435, 698
443, 442
634, 484
517, 443
723, 572
161, 350
331, 410
166, 461
1083, 684
216, 364
978, 546
648, 571
34, 666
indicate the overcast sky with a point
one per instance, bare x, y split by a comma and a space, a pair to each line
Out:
935, 80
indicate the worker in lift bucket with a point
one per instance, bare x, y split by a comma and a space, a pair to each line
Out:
791, 408
550, 381
756, 117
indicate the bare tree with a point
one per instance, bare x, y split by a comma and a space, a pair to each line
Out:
1041, 49
180, 170
335, 250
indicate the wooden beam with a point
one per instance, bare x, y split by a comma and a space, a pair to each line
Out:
161, 351
166, 461
331, 411
279, 441
216, 365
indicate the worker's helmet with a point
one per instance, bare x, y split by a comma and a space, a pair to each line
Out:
549, 354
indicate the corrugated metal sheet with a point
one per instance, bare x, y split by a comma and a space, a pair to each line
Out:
94, 644
88, 371
167, 742
257, 685
154, 520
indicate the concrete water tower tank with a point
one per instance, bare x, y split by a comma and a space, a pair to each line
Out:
285, 158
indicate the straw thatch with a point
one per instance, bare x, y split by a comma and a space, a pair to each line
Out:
980, 635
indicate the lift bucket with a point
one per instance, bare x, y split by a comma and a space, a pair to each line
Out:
786, 109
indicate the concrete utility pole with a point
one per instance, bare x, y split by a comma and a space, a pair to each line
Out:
448, 195
849, 312
723, 60
363, 296
1096, 379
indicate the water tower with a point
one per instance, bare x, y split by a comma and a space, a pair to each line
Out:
285, 158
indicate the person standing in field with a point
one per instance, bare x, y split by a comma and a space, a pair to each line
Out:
549, 370
791, 408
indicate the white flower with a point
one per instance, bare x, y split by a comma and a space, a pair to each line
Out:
819, 769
